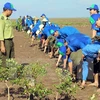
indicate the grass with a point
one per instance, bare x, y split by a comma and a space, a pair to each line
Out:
67, 21
71, 21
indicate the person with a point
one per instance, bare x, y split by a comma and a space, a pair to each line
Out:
98, 22
34, 29
90, 51
49, 41
96, 30
19, 24
94, 9
23, 24
6, 34
44, 20
95, 25
62, 52
65, 32
74, 43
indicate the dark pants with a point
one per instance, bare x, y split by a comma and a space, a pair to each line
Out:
96, 66
9, 46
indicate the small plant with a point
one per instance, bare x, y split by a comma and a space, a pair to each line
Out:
9, 73
26, 77
93, 97
30, 83
29, 78
65, 86
39, 91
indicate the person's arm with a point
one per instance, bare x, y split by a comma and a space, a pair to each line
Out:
93, 33
3, 50
59, 58
83, 57
2, 27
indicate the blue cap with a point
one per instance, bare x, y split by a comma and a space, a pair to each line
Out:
52, 31
43, 15
93, 20
9, 6
93, 6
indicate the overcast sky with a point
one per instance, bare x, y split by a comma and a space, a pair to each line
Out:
52, 8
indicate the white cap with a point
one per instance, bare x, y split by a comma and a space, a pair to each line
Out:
44, 20
31, 26
41, 27
37, 32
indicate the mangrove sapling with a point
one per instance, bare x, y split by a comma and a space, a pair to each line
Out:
65, 86
8, 74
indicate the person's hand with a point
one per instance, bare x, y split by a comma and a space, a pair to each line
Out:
55, 53
3, 50
98, 59
57, 64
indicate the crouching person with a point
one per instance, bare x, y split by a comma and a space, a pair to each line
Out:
90, 51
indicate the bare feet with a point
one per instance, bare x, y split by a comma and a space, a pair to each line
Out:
50, 55
82, 86
93, 84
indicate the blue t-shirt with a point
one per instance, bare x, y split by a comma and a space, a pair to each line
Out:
75, 45
91, 50
47, 29
78, 41
68, 30
62, 51
36, 27
29, 22
81, 37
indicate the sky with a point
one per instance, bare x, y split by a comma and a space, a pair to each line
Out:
52, 8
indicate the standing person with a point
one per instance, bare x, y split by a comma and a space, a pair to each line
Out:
6, 34
19, 23
93, 19
94, 9
95, 24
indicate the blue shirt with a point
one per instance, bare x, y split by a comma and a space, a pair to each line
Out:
75, 45
79, 41
36, 27
47, 29
29, 22
68, 30
81, 37
91, 50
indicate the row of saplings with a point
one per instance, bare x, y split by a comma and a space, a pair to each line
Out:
30, 80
